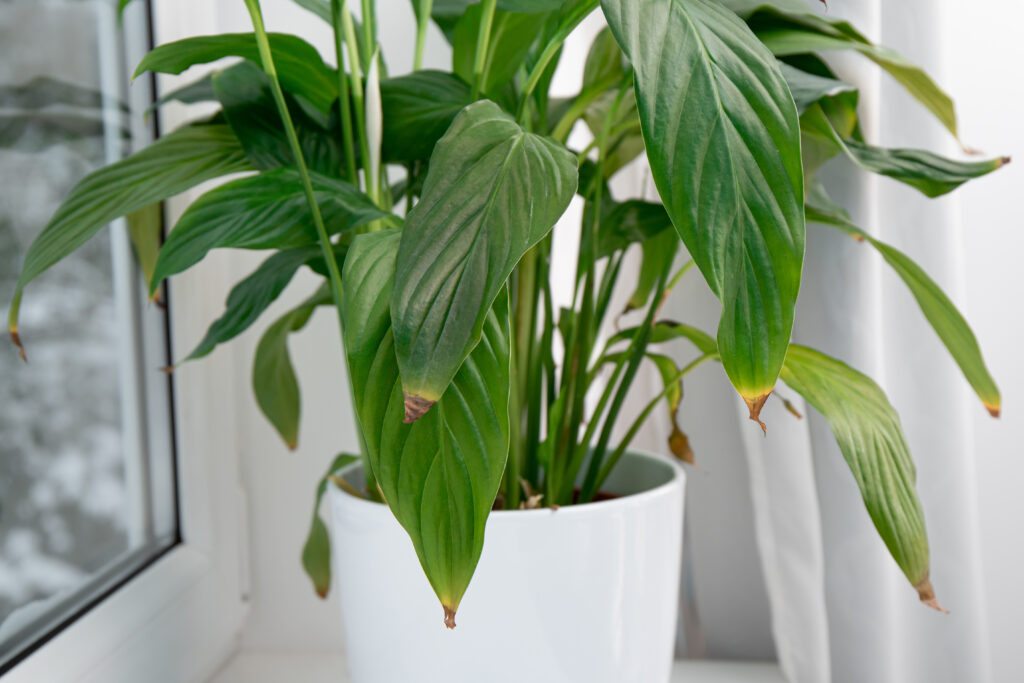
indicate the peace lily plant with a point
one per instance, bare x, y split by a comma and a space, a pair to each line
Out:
426, 203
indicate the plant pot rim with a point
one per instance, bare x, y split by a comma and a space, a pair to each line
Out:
676, 477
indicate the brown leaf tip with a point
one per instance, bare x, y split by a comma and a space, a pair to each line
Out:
167, 369
994, 411
16, 340
755, 405
416, 407
679, 444
1003, 161
926, 593
449, 618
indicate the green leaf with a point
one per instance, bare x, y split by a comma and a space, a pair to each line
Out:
418, 108
253, 295
300, 67
628, 222
264, 211
171, 165
440, 475
789, 28
659, 253
321, 8
316, 552
512, 34
807, 89
247, 97
723, 142
949, 324
605, 62
668, 330
871, 439
492, 193
146, 231
273, 376
929, 173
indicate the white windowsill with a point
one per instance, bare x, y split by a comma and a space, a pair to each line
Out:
264, 668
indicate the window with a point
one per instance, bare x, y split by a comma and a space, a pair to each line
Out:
87, 478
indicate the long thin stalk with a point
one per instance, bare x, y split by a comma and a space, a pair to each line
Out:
267, 57
483, 40
348, 143
425, 7
356, 82
588, 493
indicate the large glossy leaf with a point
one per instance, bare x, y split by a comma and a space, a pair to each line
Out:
273, 375
300, 67
871, 439
418, 108
931, 174
493, 192
723, 143
949, 324
253, 295
245, 93
263, 211
808, 89
789, 27
173, 164
440, 475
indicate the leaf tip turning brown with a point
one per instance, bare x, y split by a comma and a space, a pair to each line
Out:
16, 340
993, 410
926, 593
449, 617
1003, 161
415, 407
679, 444
755, 405
167, 369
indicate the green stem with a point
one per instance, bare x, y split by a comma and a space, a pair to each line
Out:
586, 97
347, 139
483, 40
369, 30
267, 58
356, 82
422, 22
588, 493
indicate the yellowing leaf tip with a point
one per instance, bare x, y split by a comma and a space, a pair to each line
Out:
416, 407
993, 410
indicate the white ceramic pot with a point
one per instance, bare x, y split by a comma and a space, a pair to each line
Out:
582, 594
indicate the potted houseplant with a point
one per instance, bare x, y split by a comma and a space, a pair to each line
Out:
469, 385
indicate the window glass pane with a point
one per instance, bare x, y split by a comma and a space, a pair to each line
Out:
86, 466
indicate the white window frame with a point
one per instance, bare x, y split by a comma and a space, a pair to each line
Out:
179, 619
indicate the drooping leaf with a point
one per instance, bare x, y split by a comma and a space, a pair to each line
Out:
273, 375
871, 439
493, 192
678, 441
264, 211
658, 255
440, 475
931, 174
253, 295
807, 88
245, 93
316, 552
146, 231
171, 165
723, 142
300, 67
789, 27
418, 108
949, 324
